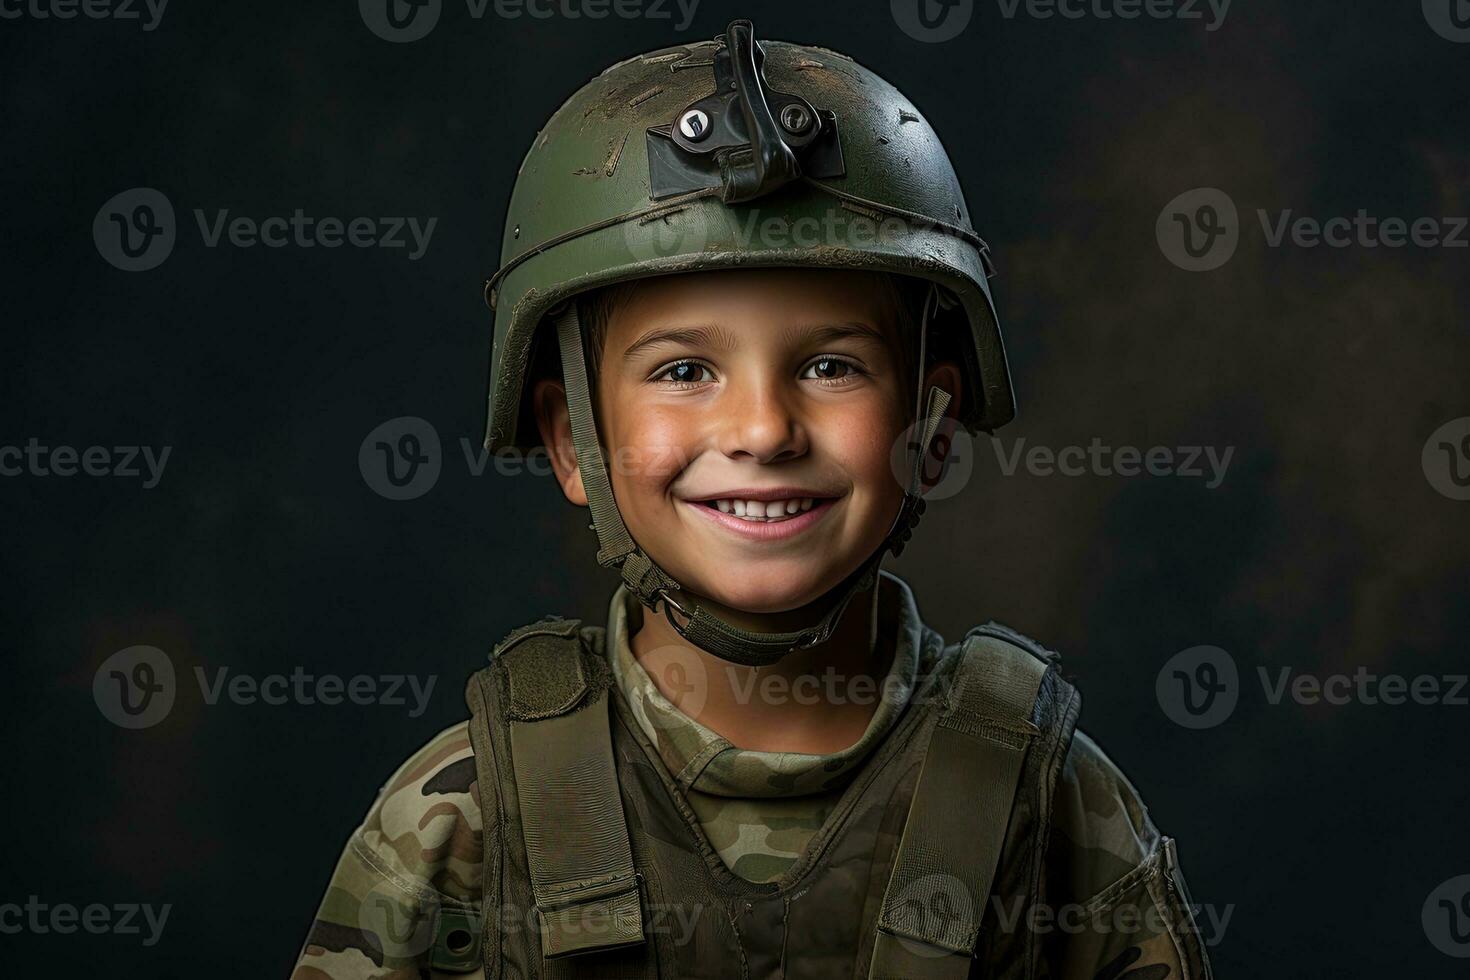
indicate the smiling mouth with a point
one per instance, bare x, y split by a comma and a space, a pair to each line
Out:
763, 511
793, 508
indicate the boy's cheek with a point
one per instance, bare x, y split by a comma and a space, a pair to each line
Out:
651, 455
863, 445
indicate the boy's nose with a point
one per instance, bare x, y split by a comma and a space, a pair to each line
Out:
760, 424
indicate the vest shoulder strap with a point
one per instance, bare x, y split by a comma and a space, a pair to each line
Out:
956, 830
555, 701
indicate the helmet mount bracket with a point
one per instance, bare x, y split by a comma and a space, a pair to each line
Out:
746, 139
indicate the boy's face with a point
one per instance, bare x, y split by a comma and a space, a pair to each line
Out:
748, 418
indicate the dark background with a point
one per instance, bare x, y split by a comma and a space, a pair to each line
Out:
263, 549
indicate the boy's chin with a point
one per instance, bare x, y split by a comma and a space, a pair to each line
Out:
767, 595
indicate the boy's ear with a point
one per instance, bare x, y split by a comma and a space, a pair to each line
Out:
554, 419
946, 375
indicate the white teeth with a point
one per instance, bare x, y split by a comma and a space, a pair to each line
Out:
763, 510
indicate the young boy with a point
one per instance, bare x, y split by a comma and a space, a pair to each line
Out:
756, 270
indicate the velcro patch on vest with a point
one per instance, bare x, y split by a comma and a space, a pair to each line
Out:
1002, 632
544, 669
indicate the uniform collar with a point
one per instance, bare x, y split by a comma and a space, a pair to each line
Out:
702, 760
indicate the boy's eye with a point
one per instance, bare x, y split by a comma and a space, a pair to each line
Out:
684, 372
829, 369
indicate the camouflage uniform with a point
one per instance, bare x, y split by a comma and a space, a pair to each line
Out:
420, 847
659, 166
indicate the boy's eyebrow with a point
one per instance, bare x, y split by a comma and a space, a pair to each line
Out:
716, 337
827, 332
706, 336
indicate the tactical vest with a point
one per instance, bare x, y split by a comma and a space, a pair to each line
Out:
596, 866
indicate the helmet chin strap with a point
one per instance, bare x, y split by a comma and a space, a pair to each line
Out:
652, 585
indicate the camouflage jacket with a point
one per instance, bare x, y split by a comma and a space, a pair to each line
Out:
1110, 872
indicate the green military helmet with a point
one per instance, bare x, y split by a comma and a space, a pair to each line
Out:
678, 160
613, 189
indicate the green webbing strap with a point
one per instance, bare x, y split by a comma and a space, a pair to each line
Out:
742, 646
572, 821
616, 544
649, 582
948, 854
